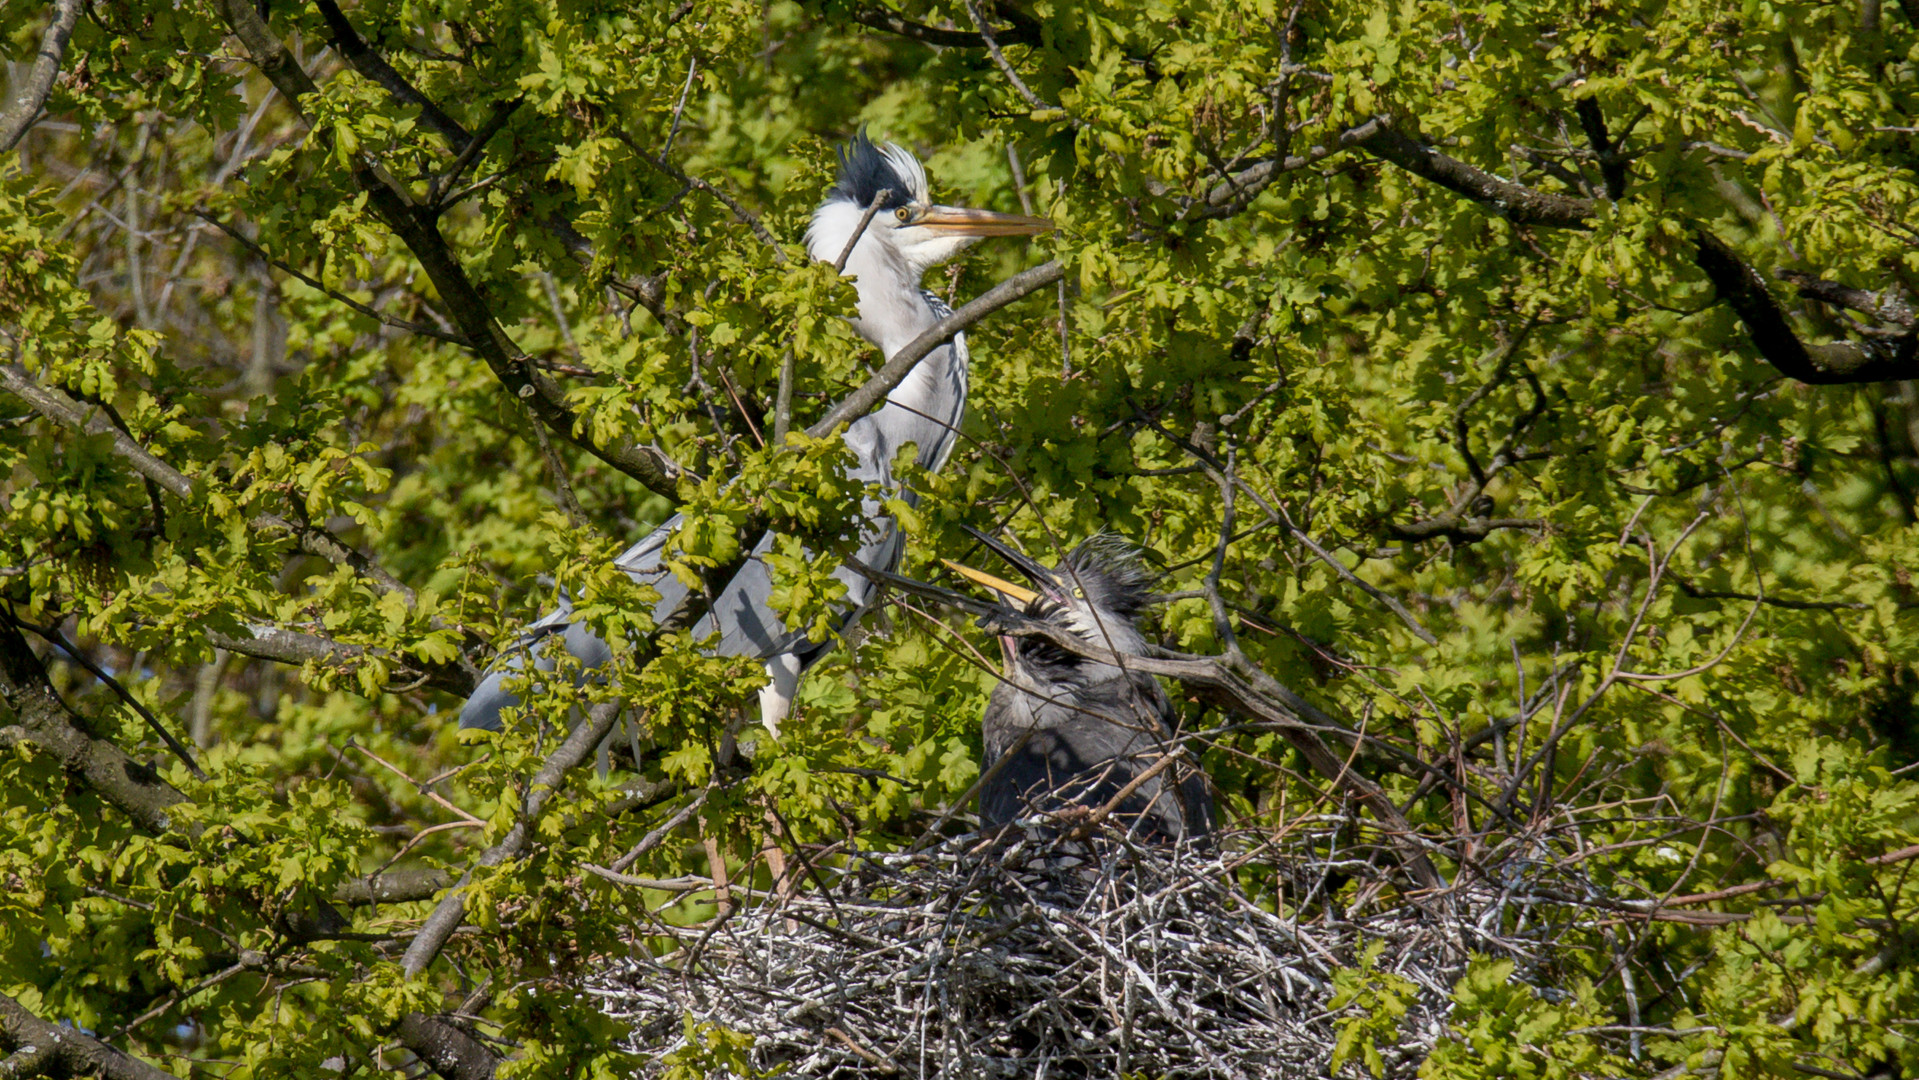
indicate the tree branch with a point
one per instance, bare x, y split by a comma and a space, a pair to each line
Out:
1612, 166
1236, 190
1741, 288
415, 226
881, 19
451, 911
312, 539
1739, 285
449, 1051
1882, 306
41, 1048
53, 636
285, 646
393, 887
896, 367
38, 83
1515, 202
129, 786
375, 68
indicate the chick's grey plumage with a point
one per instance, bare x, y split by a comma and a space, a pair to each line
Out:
898, 245
1073, 731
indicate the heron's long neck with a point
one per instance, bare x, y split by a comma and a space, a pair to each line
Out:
927, 406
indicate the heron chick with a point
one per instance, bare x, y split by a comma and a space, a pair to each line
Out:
892, 248
1062, 730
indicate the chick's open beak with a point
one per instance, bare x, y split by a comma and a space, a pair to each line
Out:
964, 221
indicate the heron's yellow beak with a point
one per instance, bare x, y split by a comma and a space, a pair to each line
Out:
963, 221
997, 584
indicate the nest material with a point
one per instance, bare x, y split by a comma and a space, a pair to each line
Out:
1046, 959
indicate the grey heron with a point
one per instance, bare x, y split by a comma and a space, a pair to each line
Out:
907, 235
1064, 730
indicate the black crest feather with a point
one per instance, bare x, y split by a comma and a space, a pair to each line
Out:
1114, 573
865, 170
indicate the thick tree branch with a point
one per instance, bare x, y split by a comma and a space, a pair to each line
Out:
1742, 289
1515, 202
131, 787
896, 367
53, 636
449, 1051
375, 68
1739, 285
1882, 306
393, 887
292, 647
40, 1048
1612, 165
38, 83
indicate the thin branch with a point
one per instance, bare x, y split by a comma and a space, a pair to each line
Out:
999, 58
1236, 190
436, 193
57, 407
879, 18
879, 199
290, 270
783, 400
38, 83
900, 363
53, 635
451, 910
679, 107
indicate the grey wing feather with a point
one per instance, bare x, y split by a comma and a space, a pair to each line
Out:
740, 614
482, 708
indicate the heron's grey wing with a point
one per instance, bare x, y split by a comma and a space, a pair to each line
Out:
482, 708
740, 614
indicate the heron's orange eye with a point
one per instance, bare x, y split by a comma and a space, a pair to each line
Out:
904, 213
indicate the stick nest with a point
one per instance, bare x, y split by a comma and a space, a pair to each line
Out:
1050, 958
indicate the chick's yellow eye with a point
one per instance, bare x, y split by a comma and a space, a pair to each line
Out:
1079, 594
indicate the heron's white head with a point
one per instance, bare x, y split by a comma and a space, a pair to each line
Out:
909, 234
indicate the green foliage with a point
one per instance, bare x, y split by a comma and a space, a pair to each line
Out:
1670, 589
1378, 1000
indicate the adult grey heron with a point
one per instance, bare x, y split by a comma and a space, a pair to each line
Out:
1062, 730
896, 245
